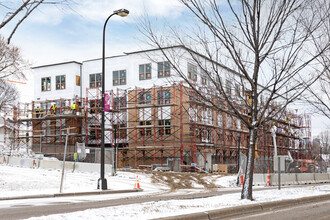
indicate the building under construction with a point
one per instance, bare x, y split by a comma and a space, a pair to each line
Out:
160, 126
150, 120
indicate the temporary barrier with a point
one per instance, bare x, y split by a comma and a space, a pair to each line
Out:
4, 159
16, 161
92, 168
259, 179
289, 179
55, 165
305, 178
23, 162
322, 178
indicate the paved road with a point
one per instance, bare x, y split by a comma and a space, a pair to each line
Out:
18, 209
311, 211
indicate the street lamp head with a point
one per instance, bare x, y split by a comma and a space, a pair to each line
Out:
121, 12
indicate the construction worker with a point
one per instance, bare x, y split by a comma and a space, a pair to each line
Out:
73, 108
53, 109
75, 156
37, 112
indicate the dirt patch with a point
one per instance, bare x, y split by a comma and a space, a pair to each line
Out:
176, 180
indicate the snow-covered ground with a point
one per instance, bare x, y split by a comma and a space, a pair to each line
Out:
22, 181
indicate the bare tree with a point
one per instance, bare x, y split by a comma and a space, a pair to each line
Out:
267, 49
16, 13
11, 61
8, 94
318, 95
324, 138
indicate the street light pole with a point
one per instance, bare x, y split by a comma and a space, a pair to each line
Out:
122, 13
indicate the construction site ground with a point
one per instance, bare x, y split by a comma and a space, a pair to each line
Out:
178, 180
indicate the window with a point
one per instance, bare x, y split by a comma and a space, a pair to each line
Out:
228, 87
164, 69
229, 122
45, 84
119, 102
60, 130
95, 80
147, 130
77, 80
165, 127
119, 77
119, 132
192, 72
60, 82
164, 97
238, 124
145, 121
219, 116
237, 89
94, 106
203, 80
145, 98
144, 71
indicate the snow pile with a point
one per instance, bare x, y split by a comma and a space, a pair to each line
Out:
15, 181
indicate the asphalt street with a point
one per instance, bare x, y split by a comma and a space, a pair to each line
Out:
19, 209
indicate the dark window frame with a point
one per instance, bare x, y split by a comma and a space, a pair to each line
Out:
97, 80
144, 71
165, 127
60, 83
145, 98
146, 131
192, 71
163, 69
44, 79
164, 97
120, 78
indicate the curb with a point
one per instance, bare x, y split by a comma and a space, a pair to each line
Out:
56, 195
239, 210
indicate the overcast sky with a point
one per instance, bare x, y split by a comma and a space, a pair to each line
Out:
57, 34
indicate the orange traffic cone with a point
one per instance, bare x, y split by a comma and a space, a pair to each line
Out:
242, 176
268, 183
137, 184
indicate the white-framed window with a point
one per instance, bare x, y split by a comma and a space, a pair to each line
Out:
229, 121
45, 84
145, 71
95, 80
219, 117
192, 72
164, 69
238, 124
60, 82
145, 122
119, 77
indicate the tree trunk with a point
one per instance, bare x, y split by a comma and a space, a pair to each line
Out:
248, 179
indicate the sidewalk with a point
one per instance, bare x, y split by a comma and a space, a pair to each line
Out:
245, 209
55, 195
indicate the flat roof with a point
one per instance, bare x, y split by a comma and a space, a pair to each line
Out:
55, 64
